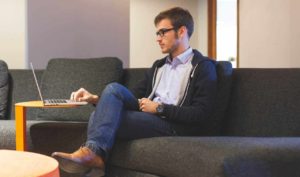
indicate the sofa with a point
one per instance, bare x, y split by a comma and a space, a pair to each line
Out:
253, 132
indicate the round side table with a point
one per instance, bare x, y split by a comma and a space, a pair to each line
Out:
27, 164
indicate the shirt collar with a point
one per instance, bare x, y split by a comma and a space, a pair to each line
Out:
183, 57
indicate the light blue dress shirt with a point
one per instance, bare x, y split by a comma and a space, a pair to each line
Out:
174, 78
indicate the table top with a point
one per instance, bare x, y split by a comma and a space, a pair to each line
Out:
39, 104
27, 164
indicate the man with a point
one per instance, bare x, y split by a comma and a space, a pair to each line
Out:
177, 92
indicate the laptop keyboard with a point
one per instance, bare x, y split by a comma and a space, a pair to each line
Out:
54, 101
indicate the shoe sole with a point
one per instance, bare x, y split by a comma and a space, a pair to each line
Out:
71, 167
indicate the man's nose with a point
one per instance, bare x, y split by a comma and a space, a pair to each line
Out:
158, 38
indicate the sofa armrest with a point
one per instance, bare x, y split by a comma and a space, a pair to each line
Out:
4, 89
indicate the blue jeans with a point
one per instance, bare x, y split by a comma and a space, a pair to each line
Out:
117, 115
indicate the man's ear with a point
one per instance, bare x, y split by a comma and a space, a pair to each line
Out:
182, 31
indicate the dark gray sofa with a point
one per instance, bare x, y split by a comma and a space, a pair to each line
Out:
253, 132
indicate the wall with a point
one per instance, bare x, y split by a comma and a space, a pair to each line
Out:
144, 49
12, 33
202, 26
269, 33
80, 29
36, 31
295, 33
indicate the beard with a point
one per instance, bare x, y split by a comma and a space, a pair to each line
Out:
173, 47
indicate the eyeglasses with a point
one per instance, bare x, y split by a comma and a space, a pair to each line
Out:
162, 32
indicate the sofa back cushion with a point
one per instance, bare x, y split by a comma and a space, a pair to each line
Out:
133, 76
264, 102
23, 88
64, 76
3, 89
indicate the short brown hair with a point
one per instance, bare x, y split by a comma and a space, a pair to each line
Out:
178, 17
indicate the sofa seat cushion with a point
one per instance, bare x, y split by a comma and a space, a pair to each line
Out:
45, 136
7, 131
8, 134
113, 171
64, 76
3, 89
208, 156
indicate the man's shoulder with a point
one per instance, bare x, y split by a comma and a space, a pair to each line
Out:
199, 58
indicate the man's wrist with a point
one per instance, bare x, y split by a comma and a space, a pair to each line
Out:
160, 109
95, 99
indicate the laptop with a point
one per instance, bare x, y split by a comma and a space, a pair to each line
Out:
54, 102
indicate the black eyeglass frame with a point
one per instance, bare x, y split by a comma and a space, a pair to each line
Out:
163, 31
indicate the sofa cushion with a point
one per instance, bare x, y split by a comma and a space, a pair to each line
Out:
23, 88
132, 76
63, 76
3, 89
264, 102
206, 156
8, 134
113, 171
263, 165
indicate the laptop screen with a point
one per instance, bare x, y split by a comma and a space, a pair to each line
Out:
36, 82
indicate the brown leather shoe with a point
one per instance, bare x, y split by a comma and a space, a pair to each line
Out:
80, 161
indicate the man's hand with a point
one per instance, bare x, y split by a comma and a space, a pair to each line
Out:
83, 95
146, 105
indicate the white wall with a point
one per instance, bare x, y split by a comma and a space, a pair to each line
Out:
35, 31
143, 47
269, 33
12, 33
79, 29
295, 33
202, 26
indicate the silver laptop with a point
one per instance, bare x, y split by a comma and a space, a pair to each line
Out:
54, 102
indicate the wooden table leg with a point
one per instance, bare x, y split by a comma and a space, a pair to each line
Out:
20, 118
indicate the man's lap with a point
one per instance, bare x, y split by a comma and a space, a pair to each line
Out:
136, 125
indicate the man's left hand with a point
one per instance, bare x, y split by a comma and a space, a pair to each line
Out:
146, 105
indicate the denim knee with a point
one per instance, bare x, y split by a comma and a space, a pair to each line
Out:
114, 88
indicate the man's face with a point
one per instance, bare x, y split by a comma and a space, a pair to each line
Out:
167, 37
